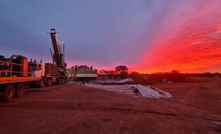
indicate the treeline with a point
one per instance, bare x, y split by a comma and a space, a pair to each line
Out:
173, 76
121, 71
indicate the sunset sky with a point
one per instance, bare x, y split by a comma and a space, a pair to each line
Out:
145, 35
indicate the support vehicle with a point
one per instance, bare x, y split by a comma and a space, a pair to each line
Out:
83, 74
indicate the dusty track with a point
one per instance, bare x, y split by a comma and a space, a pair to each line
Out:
74, 108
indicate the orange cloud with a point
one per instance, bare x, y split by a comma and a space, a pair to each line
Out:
194, 46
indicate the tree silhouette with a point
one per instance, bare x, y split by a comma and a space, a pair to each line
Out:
102, 72
217, 73
122, 70
134, 75
207, 74
175, 71
109, 73
83, 67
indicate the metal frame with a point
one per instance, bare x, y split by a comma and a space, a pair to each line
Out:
15, 78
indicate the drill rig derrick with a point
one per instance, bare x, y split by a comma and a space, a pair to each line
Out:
58, 56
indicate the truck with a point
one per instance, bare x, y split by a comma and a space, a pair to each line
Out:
17, 73
83, 75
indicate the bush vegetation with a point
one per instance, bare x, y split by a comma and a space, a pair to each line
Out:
121, 71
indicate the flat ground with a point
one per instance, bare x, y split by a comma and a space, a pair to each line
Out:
73, 108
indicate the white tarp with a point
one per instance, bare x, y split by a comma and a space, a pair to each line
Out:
146, 91
115, 81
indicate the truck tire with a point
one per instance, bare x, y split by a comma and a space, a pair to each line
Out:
59, 81
19, 90
8, 92
49, 82
41, 83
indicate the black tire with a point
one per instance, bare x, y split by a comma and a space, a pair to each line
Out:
8, 92
41, 83
59, 81
49, 82
19, 90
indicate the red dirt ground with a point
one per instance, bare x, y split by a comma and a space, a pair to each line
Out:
72, 108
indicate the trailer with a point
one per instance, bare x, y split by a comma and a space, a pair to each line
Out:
86, 75
82, 75
15, 74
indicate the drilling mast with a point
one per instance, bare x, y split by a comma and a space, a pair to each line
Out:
58, 56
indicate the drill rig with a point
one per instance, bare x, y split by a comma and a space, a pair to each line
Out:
53, 72
58, 56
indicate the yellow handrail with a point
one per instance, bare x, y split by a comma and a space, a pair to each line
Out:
30, 72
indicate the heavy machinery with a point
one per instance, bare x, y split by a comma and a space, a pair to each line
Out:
58, 57
16, 73
52, 72
84, 75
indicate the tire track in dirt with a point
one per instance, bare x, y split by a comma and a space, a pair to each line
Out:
189, 98
88, 112
89, 106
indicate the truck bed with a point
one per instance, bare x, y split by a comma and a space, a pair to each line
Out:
5, 80
87, 73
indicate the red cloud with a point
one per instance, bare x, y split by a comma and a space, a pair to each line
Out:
192, 46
